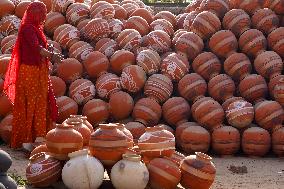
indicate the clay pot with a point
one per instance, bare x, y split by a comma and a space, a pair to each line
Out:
278, 90
96, 29
7, 7
273, 82
133, 78
175, 66
226, 140
208, 112
223, 43
66, 35
189, 19
221, 87
237, 66
193, 5
9, 25
61, 5
256, 141
156, 142
7, 44
278, 141
102, 9
108, 144
43, 170
158, 41
85, 121
253, 88
77, 12
265, 20
149, 60
236, 20
147, 111
138, 23
239, 113
130, 7
6, 105
143, 13
116, 27
4, 63
163, 25
39, 149
163, 173
129, 173
268, 114
58, 85
82, 90
121, 105
107, 84
197, 171
21, 8
166, 127
69, 70
53, 21
121, 59
62, 140
250, 6
275, 5
66, 107
136, 129
268, 64
177, 158
80, 50
80, 162
276, 41
106, 46
179, 129
6, 128
189, 44
177, 34
219, 8
96, 64
96, 110
176, 111
167, 15
127, 133
252, 42
120, 12
180, 20
206, 24
158, 87
129, 39
207, 65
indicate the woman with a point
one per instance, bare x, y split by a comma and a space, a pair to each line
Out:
27, 82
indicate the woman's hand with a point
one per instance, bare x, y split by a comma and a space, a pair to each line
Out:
57, 58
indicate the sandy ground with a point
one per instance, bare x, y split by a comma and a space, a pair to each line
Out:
257, 173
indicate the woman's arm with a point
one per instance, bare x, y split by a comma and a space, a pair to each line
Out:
56, 57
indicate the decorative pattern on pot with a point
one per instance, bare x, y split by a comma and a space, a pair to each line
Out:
120, 12
61, 5
149, 60
106, 46
82, 90
121, 59
139, 24
66, 107
53, 21
9, 25
275, 5
189, 19
96, 64
96, 110
107, 84
116, 27
129, 39
39, 149
250, 6
167, 15
102, 9
144, 13
80, 50
77, 12
163, 25
7, 44
218, 7
96, 29
276, 41
177, 158
66, 35
179, 129
158, 41
265, 20
136, 128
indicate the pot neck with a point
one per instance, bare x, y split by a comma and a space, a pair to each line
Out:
78, 153
109, 126
131, 157
76, 121
37, 156
203, 157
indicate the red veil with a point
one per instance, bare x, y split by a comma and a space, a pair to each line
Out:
34, 15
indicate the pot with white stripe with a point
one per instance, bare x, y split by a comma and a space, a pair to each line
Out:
197, 171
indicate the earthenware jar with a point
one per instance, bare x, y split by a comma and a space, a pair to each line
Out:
129, 173
85, 121
63, 140
149, 60
96, 111
61, 5
127, 133
163, 25
163, 174
138, 23
77, 12
197, 171
90, 169
276, 89
129, 39
82, 90
121, 105
276, 41
66, 107
43, 170
177, 158
278, 141
8, 7
66, 35
39, 149
250, 6
275, 5
265, 20
215, 6
188, 22
157, 40
96, 64
121, 59
179, 129
136, 128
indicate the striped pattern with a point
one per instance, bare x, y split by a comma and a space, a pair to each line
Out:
106, 46
129, 39
96, 64
167, 15
164, 25
96, 29
66, 107
115, 26
158, 41
107, 84
218, 7
102, 9
82, 90
9, 25
96, 110
149, 60
138, 23
80, 50
77, 12
66, 35
7, 44
276, 40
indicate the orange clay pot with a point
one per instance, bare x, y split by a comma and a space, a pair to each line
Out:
265, 20
96, 64
82, 90
58, 85
69, 70
149, 60
106, 46
80, 50
53, 21
66, 35
143, 13
66, 107
39, 149
102, 9
276, 41
218, 7
136, 128
129, 39
278, 141
7, 7
121, 59
9, 25
120, 12
138, 23
107, 84
179, 129
77, 12
158, 41
162, 24
167, 15
121, 105
96, 110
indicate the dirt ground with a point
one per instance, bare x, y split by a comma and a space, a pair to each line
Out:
232, 172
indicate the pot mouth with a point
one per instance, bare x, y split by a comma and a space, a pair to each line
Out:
64, 126
131, 157
78, 153
203, 156
37, 155
108, 125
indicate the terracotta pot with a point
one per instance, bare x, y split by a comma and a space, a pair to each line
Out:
66, 107
226, 140
121, 59
69, 70
6, 105
62, 140
6, 128
58, 85
80, 162
102, 9
250, 6
253, 88
221, 87
149, 60
129, 39
80, 50
158, 41
268, 114
7, 7
223, 43
85, 121
240, 113
163, 173
226, 104
162, 24
143, 13
189, 19
158, 87
82, 90
180, 20
108, 144
252, 42
277, 92
136, 129
53, 21
268, 64
138, 23
121, 105
129, 172
218, 7
256, 141
197, 171
156, 142
273, 82
166, 127
61, 5
115, 26
208, 112
47, 4
237, 66
77, 12
147, 111
130, 7
206, 24
275, 5
9, 25
237, 20
96, 110
207, 65
130, 141
265, 20
278, 141
96, 64
56, 46
167, 15
7, 44
66, 35
179, 129
189, 44
177, 158
276, 41
193, 5
96, 29
133, 78
4, 63
106, 46
107, 84
43, 170
176, 110
21, 8
39, 149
